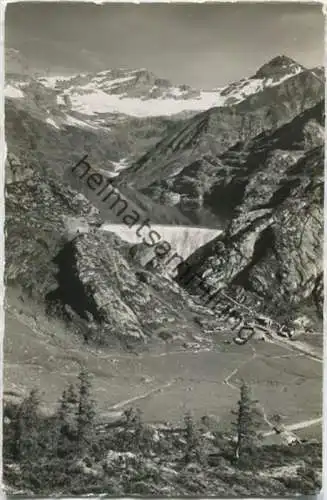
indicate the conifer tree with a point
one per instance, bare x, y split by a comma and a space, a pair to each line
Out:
86, 409
245, 423
67, 421
26, 427
194, 450
133, 429
137, 426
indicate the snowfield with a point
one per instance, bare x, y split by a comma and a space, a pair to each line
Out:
13, 92
104, 92
101, 102
75, 122
90, 100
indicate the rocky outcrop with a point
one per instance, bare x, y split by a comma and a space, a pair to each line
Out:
37, 209
272, 249
15, 171
89, 277
137, 83
99, 280
278, 67
313, 134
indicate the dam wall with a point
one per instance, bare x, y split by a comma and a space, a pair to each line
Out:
184, 240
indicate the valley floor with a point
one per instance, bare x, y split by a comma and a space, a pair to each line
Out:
165, 383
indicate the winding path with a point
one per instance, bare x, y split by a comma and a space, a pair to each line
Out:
125, 402
297, 426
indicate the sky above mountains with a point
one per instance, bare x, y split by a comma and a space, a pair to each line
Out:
203, 45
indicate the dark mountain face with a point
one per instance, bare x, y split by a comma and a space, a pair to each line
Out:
197, 167
272, 248
242, 161
32, 136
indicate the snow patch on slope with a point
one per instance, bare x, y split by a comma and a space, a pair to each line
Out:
13, 92
236, 92
119, 166
60, 100
75, 122
51, 122
52, 81
271, 82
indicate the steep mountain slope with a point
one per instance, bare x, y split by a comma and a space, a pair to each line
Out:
53, 140
189, 166
44, 126
38, 130
121, 201
89, 279
271, 252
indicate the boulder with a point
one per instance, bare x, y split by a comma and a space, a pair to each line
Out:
246, 333
239, 341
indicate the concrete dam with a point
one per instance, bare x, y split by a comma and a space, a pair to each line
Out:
183, 240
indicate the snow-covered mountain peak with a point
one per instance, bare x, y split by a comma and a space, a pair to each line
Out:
278, 67
136, 83
133, 92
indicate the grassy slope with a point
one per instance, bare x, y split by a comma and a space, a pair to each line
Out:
162, 383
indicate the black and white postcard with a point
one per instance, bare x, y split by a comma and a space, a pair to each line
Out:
164, 185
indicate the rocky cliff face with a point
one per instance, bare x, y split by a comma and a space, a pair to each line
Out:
272, 249
36, 212
89, 277
99, 281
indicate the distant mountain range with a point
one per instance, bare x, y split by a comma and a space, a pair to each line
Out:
138, 92
117, 115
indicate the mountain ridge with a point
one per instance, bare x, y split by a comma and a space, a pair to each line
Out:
208, 136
